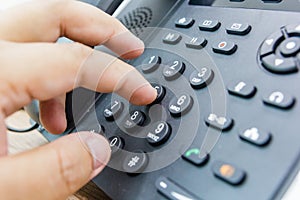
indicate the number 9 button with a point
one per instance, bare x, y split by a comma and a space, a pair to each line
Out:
181, 105
158, 133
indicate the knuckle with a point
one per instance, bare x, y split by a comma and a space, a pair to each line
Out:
67, 175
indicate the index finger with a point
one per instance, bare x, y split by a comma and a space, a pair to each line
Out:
46, 21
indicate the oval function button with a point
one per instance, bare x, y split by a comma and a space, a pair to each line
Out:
255, 136
228, 172
173, 70
158, 133
201, 78
241, 89
180, 105
151, 64
279, 99
113, 110
219, 122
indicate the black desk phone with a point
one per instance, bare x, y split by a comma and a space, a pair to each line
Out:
226, 122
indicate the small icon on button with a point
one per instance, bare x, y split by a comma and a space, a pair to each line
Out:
194, 151
269, 41
207, 23
290, 45
227, 170
182, 20
236, 26
133, 161
222, 45
220, 120
239, 86
252, 134
276, 97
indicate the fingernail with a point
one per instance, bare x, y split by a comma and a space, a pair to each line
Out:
99, 148
144, 95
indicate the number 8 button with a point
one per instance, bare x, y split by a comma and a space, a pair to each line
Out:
181, 105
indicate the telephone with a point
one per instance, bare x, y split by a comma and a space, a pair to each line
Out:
226, 120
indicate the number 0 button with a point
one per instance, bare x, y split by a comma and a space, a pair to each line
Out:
158, 133
180, 105
173, 70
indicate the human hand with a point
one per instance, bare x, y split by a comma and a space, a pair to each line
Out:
33, 67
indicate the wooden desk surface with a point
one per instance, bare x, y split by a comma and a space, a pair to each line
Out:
19, 142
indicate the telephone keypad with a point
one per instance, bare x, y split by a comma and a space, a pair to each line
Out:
113, 110
158, 133
201, 78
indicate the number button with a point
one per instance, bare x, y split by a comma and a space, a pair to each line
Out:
161, 91
200, 79
135, 119
173, 70
116, 144
159, 133
112, 111
151, 64
181, 105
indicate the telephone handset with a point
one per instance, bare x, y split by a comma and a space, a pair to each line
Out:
226, 120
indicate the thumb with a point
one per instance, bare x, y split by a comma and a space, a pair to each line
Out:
55, 170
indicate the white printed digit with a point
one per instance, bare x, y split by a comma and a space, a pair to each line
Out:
134, 116
175, 63
159, 128
181, 100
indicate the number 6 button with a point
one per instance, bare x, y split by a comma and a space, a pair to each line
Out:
181, 105
158, 133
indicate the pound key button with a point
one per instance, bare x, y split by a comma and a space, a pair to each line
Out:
228, 173
200, 79
135, 162
180, 105
151, 64
279, 99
